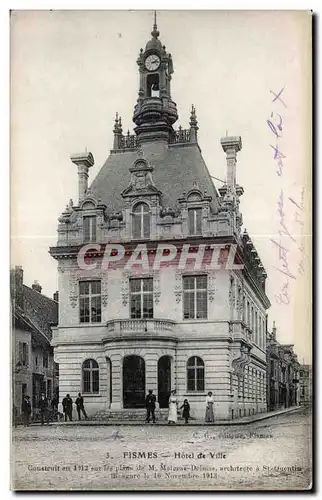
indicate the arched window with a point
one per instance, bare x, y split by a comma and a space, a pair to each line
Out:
90, 374
141, 221
195, 374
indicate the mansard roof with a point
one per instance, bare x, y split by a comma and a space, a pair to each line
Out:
176, 169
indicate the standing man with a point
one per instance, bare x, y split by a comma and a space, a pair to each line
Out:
68, 407
80, 406
26, 411
150, 406
43, 407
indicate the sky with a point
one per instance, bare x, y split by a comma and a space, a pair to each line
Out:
248, 73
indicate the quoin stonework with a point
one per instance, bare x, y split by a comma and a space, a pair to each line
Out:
183, 324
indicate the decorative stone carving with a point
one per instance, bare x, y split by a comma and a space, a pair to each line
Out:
178, 287
104, 289
125, 288
141, 179
156, 287
211, 286
73, 289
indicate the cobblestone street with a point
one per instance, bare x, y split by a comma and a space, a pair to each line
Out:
270, 454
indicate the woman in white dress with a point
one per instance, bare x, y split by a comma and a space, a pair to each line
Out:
172, 417
209, 417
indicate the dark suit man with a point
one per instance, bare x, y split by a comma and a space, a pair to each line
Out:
150, 406
26, 411
67, 403
43, 407
80, 406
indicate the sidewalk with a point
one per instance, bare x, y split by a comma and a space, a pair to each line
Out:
237, 421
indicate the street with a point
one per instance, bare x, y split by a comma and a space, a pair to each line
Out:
269, 454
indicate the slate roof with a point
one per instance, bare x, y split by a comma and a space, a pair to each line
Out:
39, 313
175, 170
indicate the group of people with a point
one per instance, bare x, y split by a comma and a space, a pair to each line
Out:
150, 403
46, 414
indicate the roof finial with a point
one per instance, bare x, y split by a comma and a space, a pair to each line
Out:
193, 117
155, 33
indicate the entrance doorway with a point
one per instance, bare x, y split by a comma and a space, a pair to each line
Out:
133, 382
164, 381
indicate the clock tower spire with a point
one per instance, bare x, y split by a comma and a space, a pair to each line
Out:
155, 112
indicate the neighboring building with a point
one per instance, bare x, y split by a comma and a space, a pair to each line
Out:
33, 367
282, 373
305, 384
125, 329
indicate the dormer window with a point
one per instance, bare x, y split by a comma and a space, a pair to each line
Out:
141, 221
194, 217
153, 88
89, 227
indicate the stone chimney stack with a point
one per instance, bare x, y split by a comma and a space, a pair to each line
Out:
16, 286
231, 146
274, 329
36, 286
83, 161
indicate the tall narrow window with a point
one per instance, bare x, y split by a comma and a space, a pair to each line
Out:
194, 216
45, 359
23, 353
195, 374
194, 297
89, 226
49, 389
141, 298
90, 310
141, 221
90, 374
153, 87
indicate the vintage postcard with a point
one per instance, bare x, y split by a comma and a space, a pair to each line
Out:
161, 236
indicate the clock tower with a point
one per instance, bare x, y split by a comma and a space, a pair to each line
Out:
155, 112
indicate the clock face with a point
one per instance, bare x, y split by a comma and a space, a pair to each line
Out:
152, 62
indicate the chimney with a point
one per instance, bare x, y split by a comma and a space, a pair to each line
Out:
83, 161
16, 286
274, 331
231, 146
36, 286
56, 296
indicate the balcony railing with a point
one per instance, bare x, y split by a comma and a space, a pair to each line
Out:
128, 141
181, 135
137, 326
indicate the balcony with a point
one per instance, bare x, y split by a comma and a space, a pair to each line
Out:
121, 327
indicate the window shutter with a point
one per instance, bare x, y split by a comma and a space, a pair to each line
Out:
27, 354
21, 352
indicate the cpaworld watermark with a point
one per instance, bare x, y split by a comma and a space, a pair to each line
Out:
195, 257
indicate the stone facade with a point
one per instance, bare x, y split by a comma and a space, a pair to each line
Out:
195, 317
282, 374
305, 385
34, 370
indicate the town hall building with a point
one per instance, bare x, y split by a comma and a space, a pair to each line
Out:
159, 286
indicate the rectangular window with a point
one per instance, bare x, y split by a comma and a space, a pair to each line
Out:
141, 297
89, 226
23, 391
23, 353
90, 310
49, 389
45, 359
194, 297
194, 217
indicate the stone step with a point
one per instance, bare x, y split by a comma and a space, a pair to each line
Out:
128, 414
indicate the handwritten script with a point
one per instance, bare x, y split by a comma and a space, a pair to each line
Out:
285, 240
